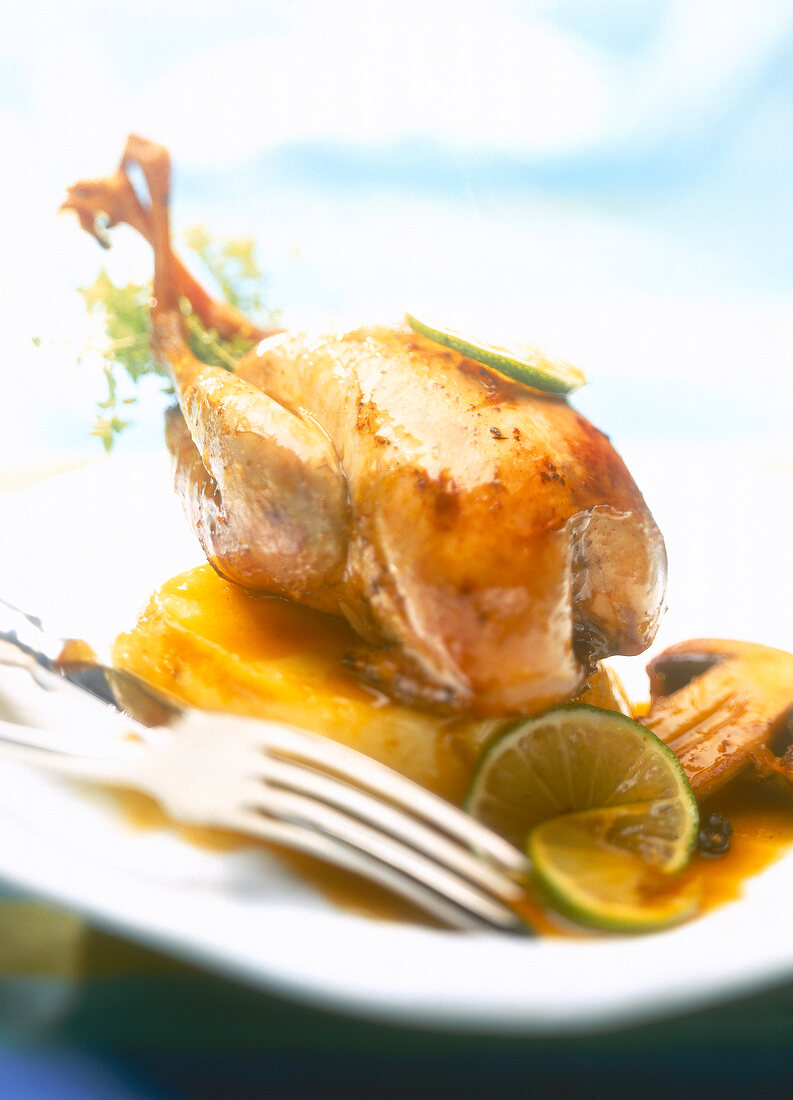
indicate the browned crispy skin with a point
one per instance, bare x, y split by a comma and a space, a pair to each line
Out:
491, 525
484, 539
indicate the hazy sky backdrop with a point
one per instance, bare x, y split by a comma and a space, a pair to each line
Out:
612, 178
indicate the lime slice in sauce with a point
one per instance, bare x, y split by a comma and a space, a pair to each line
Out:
603, 809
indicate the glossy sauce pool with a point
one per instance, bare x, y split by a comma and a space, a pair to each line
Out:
762, 825
210, 644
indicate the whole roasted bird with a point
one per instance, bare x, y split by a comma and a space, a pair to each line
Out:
485, 541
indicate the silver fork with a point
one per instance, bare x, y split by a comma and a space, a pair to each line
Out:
269, 781
301, 791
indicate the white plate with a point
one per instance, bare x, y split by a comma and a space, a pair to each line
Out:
85, 549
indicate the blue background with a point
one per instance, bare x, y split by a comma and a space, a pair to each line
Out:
610, 179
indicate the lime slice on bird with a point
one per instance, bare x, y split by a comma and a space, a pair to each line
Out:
603, 808
521, 363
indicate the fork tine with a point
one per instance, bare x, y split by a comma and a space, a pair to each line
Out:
346, 843
358, 814
363, 771
395, 821
472, 911
447, 881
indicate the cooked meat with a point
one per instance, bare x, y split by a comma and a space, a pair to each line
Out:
484, 539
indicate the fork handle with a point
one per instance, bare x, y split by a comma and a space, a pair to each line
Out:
84, 758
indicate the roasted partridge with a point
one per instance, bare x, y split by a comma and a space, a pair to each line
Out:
484, 539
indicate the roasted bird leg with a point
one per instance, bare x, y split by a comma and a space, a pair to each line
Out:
486, 542
292, 541
103, 203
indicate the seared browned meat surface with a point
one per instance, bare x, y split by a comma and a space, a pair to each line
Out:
485, 540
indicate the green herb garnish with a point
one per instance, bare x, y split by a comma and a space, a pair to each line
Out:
124, 313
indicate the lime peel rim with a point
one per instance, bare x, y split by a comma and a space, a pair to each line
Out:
573, 907
585, 907
554, 376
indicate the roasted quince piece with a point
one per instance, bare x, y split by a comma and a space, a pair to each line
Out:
724, 707
203, 641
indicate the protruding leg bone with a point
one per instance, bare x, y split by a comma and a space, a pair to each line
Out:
104, 203
261, 483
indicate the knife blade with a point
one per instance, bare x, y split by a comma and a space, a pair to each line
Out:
57, 663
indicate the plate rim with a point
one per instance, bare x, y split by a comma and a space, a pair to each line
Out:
498, 1009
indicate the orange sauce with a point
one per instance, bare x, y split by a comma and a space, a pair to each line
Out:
762, 825
208, 643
